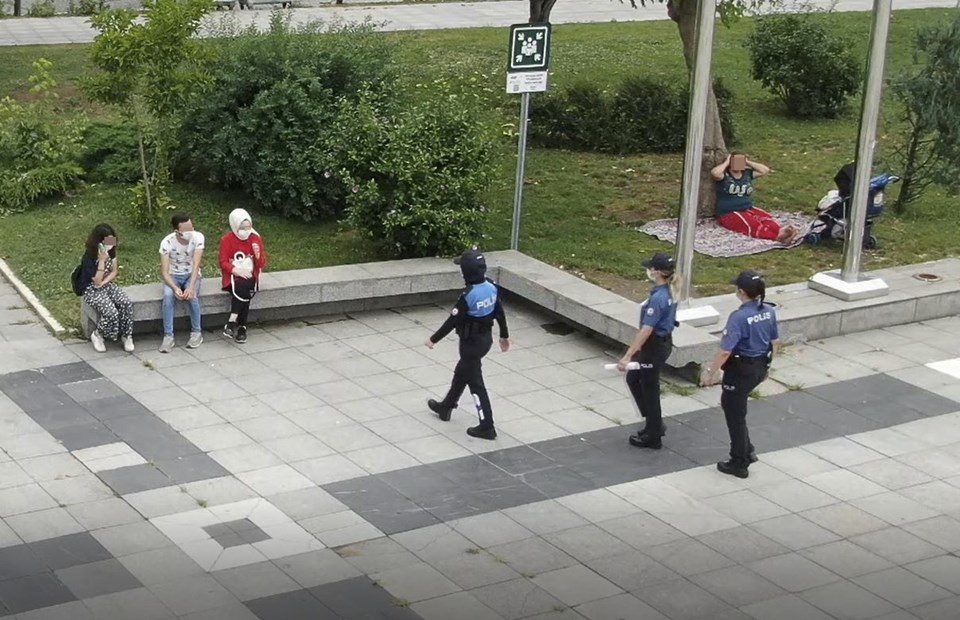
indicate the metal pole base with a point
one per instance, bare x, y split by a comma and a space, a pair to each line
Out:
697, 316
865, 287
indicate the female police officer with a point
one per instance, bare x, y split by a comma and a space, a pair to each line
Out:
473, 316
651, 347
746, 350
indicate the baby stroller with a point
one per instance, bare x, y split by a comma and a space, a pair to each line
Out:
835, 206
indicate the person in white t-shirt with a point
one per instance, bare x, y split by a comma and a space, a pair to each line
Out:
180, 254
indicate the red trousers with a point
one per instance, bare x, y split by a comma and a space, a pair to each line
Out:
753, 222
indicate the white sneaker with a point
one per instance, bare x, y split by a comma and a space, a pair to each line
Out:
128, 344
196, 339
98, 344
167, 345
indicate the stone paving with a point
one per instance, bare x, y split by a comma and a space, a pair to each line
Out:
412, 16
301, 476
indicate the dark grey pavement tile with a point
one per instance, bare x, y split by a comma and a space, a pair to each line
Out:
40, 398
698, 447
121, 406
70, 373
93, 389
518, 460
296, 605
135, 478
19, 561
361, 598
218, 529
473, 473
98, 578
708, 421
84, 436
33, 592
151, 437
401, 517
887, 413
508, 497
71, 550
840, 421
191, 468
927, 403
790, 433
557, 481
420, 483
799, 403
364, 493
62, 417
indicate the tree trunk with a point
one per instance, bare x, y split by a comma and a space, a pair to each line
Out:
714, 148
146, 175
540, 11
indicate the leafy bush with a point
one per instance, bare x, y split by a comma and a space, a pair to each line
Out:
87, 7
38, 148
417, 173
642, 115
264, 125
811, 70
42, 8
110, 153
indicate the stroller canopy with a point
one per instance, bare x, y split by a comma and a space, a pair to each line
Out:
844, 179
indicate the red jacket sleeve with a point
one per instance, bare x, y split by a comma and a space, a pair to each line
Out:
226, 254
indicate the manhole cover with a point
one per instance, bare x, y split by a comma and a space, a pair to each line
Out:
557, 329
927, 277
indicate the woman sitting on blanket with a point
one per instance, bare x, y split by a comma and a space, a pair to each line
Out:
735, 210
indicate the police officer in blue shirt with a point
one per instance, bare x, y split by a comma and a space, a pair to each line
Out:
746, 351
651, 347
472, 318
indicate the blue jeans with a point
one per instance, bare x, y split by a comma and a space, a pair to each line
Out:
169, 299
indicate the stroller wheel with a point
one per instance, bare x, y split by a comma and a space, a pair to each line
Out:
870, 242
812, 238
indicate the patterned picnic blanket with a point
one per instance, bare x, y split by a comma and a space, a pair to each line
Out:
714, 240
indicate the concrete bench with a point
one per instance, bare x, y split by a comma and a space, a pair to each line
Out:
371, 286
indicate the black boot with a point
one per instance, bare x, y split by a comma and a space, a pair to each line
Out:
645, 441
663, 430
733, 468
440, 409
482, 432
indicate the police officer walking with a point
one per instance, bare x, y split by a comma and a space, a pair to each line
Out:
651, 347
472, 318
746, 351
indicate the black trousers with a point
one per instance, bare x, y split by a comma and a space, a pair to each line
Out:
740, 377
644, 383
245, 288
469, 373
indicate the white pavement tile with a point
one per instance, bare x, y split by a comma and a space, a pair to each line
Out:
843, 452
327, 469
379, 459
273, 480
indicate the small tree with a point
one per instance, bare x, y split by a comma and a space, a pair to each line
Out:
930, 96
812, 70
150, 70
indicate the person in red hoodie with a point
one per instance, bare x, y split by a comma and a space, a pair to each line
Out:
242, 258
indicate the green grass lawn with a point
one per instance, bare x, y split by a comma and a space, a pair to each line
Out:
580, 209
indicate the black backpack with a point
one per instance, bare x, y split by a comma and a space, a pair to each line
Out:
75, 280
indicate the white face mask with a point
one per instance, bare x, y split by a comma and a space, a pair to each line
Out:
186, 236
651, 275
243, 234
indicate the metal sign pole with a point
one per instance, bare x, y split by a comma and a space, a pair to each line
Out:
521, 165
866, 141
692, 165
693, 159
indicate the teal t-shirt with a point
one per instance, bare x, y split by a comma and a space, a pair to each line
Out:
735, 194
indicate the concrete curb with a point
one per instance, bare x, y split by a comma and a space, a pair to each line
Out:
52, 324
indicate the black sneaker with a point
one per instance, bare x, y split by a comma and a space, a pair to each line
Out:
440, 410
732, 469
229, 330
645, 441
482, 432
241, 336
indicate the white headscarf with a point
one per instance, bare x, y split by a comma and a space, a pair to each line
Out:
237, 218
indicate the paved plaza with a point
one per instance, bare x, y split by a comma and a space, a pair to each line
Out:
300, 476
412, 16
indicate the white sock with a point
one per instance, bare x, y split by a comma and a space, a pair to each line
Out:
232, 319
